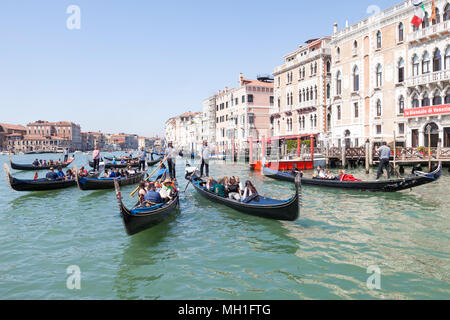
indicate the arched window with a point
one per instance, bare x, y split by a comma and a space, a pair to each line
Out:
338, 54
401, 105
338, 109
315, 92
437, 61
355, 48
415, 102
401, 31
415, 65
379, 42
315, 67
338, 83
426, 21
315, 120
279, 126
401, 70
379, 75
378, 108
447, 12
425, 100
312, 120
447, 97
307, 94
356, 78
447, 58
328, 66
328, 91
300, 96
426, 63
438, 17
437, 99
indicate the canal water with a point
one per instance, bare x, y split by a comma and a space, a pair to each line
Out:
211, 252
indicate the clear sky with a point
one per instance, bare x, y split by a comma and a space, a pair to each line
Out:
135, 63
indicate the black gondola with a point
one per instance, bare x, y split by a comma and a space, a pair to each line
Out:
111, 165
122, 158
30, 167
415, 180
87, 183
39, 184
287, 210
140, 219
151, 163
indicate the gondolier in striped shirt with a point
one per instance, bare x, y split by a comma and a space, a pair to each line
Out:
142, 159
96, 159
205, 159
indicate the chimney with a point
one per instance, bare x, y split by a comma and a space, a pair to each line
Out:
226, 89
346, 23
241, 79
335, 28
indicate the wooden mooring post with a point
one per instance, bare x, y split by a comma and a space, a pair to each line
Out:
367, 156
343, 159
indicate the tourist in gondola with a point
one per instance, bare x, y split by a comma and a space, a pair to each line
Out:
250, 193
40, 163
385, 154
96, 159
211, 184
233, 190
36, 163
152, 196
205, 159
60, 173
44, 164
69, 175
82, 172
171, 160
167, 191
142, 192
330, 176
51, 175
219, 188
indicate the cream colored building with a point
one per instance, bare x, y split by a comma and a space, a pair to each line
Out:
375, 73
302, 93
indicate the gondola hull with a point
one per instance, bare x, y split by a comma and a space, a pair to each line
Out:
117, 165
39, 184
30, 167
120, 159
393, 185
138, 220
151, 163
107, 183
266, 208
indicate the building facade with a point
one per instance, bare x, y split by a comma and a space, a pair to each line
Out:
382, 68
9, 134
302, 93
61, 134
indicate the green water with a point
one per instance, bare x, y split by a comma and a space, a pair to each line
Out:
211, 252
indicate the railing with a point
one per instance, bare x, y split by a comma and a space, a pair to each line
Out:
428, 31
428, 78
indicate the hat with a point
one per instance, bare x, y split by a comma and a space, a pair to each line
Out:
167, 181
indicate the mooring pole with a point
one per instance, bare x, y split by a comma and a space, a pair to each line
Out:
367, 156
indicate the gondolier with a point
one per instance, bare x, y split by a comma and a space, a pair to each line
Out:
205, 159
96, 159
171, 160
66, 154
142, 159
385, 155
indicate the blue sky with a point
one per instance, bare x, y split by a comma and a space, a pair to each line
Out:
135, 63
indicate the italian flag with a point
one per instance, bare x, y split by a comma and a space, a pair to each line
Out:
419, 14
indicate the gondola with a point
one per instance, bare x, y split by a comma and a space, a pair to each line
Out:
87, 183
287, 210
151, 163
415, 180
140, 219
111, 165
39, 184
30, 167
122, 158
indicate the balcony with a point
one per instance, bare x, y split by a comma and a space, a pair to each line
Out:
428, 33
424, 79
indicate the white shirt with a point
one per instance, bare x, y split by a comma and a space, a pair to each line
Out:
205, 153
170, 153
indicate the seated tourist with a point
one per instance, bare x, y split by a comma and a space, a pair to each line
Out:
40, 163
233, 190
152, 196
123, 173
82, 172
113, 174
210, 185
330, 176
130, 170
60, 173
219, 188
322, 174
167, 191
250, 193
106, 173
44, 164
69, 175
142, 192
36, 163
51, 175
